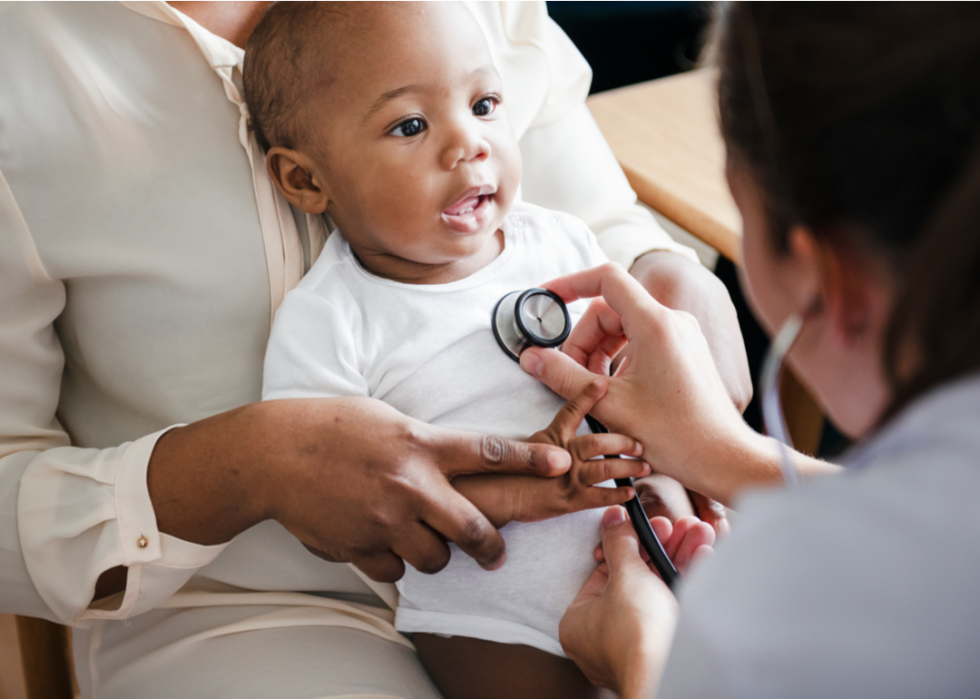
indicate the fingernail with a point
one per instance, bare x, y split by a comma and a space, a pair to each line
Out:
531, 363
498, 564
613, 516
559, 460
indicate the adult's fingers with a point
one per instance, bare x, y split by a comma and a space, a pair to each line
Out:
711, 512
620, 545
422, 547
380, 566
461, 453
596, 338
458, 520
622, 293
557, 371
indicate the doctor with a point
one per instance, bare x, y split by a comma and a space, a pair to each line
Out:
854, 157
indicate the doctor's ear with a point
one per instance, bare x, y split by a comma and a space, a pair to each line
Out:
848, 285
296, 179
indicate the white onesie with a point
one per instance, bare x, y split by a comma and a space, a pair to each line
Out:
428, 351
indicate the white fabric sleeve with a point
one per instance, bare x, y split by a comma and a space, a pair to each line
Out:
567, 163
69, 514
569, 166
311, 353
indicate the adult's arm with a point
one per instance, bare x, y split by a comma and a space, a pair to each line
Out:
667, 392
160, 507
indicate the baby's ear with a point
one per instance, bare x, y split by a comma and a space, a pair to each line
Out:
296, 178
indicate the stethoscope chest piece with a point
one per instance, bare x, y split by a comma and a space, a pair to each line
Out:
532, 318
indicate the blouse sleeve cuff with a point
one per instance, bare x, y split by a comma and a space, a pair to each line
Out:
84, 511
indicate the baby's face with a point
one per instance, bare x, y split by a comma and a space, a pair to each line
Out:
418, 159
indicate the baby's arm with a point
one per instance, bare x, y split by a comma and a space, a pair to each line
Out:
505, 499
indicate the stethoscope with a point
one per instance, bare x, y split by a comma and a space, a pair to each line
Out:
539, 318
772, 407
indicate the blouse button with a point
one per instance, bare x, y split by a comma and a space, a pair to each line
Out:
142, 542
519, 222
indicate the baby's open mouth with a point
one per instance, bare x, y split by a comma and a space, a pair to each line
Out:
466, 206
472, 211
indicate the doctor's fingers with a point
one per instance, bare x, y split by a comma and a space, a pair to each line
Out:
688, 540
557, 371
596, 338
611, 281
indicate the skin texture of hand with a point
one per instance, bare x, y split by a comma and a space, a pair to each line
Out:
666, 393
351, 478
506, 499
683, 285
620, 626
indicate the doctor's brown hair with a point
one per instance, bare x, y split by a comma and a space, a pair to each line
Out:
861, 122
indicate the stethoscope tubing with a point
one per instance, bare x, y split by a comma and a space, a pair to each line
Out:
641, 524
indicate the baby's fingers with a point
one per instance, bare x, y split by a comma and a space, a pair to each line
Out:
566, 422
589, 498
588, 473
589, 446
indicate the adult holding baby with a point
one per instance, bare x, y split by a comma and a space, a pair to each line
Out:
138, 279
852, 136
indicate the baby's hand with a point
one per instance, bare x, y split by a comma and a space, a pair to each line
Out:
506, 499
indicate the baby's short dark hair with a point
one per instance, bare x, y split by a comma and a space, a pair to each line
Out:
285, 60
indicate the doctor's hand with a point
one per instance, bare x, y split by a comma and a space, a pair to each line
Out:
666, 391
619, 628
508, 498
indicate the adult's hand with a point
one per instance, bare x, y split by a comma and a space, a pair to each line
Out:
620, 626
666, 392
350, 477
678, 283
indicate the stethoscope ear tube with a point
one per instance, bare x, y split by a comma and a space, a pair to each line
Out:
641, 523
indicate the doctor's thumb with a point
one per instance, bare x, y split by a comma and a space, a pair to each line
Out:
620, 545
557, 371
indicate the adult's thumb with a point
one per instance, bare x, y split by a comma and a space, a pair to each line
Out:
557, 371
620, 545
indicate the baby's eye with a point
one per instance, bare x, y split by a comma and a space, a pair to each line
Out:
408, 128
485, 106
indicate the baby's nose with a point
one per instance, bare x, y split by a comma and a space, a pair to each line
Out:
465, 144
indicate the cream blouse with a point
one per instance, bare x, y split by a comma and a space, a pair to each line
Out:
143, 252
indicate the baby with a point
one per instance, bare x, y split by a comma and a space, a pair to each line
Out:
390, 118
